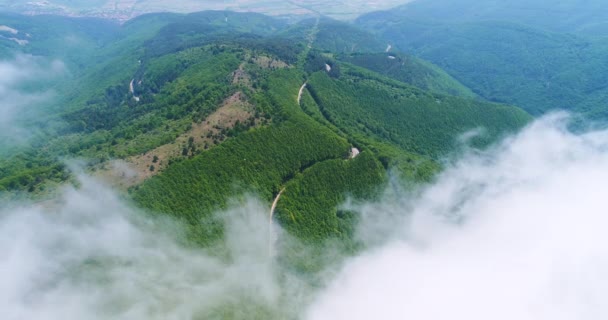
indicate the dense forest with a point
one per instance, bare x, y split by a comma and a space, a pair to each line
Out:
215, 106
504, 55
234, 165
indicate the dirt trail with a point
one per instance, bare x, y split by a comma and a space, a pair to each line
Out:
271, 216
301, 92
313, 33
132, 90
311, 39
201, 136
312, 36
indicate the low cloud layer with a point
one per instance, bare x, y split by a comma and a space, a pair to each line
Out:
23, 92
92, 256
517, 232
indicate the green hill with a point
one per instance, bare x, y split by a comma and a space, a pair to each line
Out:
206, 108
361, 103
335, 36
411, 70
584, 17
507, 62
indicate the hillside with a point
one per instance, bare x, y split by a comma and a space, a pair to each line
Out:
583, 17
186, 116
335, 40
411, 70
335, 36
361, 103
504, 61
189, 112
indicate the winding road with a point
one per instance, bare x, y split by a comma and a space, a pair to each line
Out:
270, 219
311, 39
132, 90
301, 92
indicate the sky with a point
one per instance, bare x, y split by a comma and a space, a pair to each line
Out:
513, 232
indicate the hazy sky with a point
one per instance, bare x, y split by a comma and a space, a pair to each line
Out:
123, 9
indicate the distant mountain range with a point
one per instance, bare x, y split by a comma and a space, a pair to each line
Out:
123, 10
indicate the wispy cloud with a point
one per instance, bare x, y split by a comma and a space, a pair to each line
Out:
23, 93
93, 256
514, 232
517, 232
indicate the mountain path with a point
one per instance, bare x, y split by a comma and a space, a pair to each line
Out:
270, 219
301, 92
132, 90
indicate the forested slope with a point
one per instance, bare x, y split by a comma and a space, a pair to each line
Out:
205, 108
411, 70
504, 56
417, 121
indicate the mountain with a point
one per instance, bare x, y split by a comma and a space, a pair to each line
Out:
584, 17
186, 113
503, 56
409, 69
124, 10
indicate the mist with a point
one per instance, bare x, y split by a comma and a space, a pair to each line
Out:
514, 232
24, 92
92, 255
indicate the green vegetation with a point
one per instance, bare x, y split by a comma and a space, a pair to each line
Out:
310, 204
258, 161
208, 109
335, 36
112, 124
70, 39
411, 70
506, 57
145, 84
95, 115
584, 17
360, 103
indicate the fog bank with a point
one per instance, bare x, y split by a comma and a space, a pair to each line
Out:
93, 256
515, 232
23, 93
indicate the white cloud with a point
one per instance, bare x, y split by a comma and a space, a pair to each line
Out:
517, 232
92, 256
22, 93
